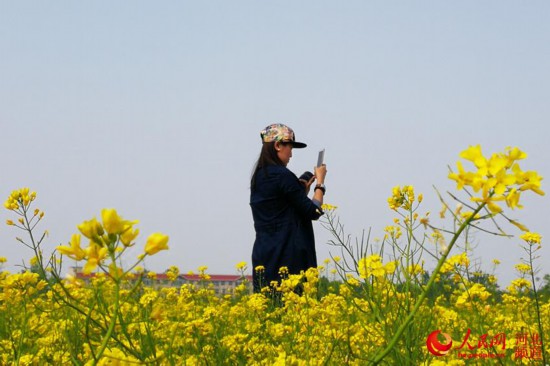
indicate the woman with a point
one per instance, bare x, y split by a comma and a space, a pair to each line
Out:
281, 209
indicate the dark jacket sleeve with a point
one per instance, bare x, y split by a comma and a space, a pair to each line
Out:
295, 192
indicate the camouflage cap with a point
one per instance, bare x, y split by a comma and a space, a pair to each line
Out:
282, 133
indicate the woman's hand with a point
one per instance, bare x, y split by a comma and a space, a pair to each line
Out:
320, 173
307, 183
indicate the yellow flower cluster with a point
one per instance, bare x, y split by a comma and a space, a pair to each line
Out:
172, 273
328, 207
403, 197
188, 324
241, 266
107, 239
499, 178
455, 261
475, 291
19, 198
120, 317
393, 232
531, 238
523, 268
519, 285
373, 266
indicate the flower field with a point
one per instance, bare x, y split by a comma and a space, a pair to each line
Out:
376, 303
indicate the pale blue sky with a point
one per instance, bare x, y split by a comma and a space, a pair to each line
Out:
155, 108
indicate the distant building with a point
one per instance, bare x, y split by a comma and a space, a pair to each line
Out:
223, 284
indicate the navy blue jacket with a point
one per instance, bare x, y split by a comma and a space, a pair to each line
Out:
282, 214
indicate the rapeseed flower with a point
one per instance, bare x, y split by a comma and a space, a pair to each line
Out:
241, 266
74, 250
373, 266
128, 236
402, 197
328, 207
113, 223
459, 260
91, 229
476, 291
155, 243
499, 178
95, 255
531, 238
523, 268
20, 198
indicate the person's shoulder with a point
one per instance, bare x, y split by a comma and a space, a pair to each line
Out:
281, 174
281, 170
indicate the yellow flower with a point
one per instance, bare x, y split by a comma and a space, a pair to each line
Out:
476, 291
514, 154
91, 228
500, 178
73, 251
241, 266
518, 284
328, 207
202, 269
113, 223
401, 198
393, 232
172, 273
415, 269
390, 267
455, 261
128, 236
531, 238
155, 243
18, 198
523, 268
283, 270
512, 199
95, 255
372, 266
530, 180
474, 154
3, 259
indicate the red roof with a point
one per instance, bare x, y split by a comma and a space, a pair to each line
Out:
188, 277
214, 277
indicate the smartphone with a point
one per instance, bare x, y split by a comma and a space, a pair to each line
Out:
321, 157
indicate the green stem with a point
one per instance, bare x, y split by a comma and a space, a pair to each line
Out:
111, 328
378, 358
541, 333
35, 246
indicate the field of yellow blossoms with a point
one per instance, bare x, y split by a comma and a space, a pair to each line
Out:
376, 303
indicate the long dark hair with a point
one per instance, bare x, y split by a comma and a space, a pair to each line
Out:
268, 156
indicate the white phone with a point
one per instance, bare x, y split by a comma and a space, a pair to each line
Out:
321, 157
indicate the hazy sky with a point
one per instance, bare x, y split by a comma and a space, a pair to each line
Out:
155, 109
